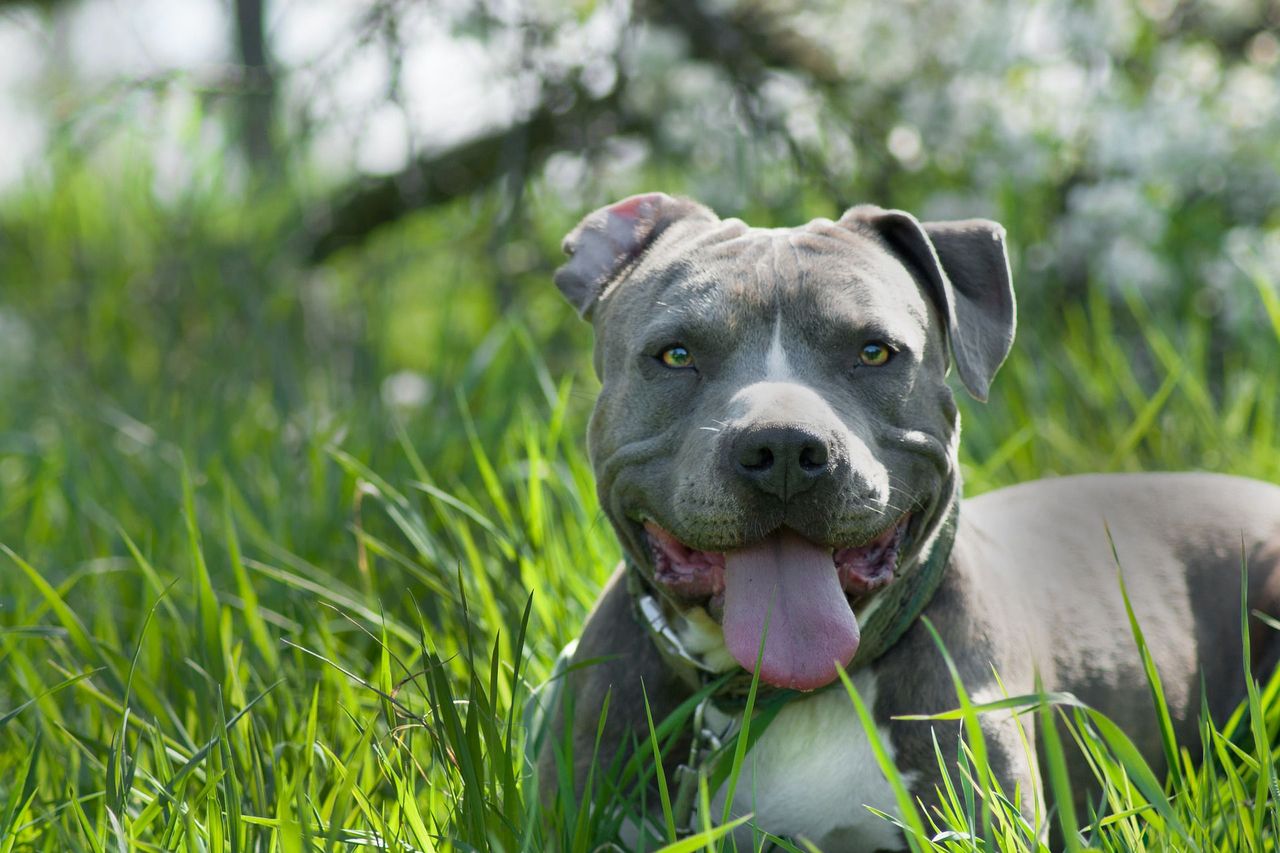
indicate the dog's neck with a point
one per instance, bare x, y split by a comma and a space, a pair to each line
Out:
883, 618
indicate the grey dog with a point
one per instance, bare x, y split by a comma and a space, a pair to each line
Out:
775, 446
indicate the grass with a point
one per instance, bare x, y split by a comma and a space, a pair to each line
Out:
250, 602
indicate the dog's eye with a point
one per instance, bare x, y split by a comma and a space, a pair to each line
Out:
875, 354
676, 357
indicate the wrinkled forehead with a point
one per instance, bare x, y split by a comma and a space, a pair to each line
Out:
815, 273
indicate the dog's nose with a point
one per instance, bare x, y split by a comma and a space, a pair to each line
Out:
780, 460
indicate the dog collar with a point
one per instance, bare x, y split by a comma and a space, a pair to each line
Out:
883, 621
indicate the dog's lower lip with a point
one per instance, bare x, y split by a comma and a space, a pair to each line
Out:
684, 571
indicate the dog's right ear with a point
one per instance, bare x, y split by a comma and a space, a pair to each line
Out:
608, 242
966, 268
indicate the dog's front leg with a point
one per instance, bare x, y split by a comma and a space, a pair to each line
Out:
616, 664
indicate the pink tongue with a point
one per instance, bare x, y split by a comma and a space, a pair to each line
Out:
792, 584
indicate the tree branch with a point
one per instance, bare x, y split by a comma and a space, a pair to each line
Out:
744, 40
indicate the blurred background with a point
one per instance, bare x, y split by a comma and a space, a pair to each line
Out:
238, 236
297, 211
297, 254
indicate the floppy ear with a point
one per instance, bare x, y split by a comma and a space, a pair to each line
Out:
966, 267
608, 241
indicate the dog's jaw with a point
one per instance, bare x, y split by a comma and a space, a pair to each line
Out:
697, 577
781, 611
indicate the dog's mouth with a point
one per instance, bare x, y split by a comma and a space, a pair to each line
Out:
784, 600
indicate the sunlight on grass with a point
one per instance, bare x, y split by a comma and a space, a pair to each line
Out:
247, 604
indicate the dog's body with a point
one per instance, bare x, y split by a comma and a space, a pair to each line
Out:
775, 446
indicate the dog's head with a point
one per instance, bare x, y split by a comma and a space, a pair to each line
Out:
774, 435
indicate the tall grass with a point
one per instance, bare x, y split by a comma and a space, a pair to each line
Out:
249, 601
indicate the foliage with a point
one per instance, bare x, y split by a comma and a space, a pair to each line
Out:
287, 544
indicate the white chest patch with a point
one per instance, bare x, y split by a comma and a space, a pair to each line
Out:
812, 773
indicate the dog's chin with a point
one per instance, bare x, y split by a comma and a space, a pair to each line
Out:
696, 577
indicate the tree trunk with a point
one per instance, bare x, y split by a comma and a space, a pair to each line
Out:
258, 92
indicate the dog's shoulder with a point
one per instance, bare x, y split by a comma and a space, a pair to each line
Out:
615, 670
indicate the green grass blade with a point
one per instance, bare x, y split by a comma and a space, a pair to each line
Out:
1164, 720
909, 814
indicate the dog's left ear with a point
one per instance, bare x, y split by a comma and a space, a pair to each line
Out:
966, 267
607, 242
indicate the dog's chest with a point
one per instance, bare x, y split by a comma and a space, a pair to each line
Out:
812, 774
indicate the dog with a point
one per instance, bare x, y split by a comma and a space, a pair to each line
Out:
775, 446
